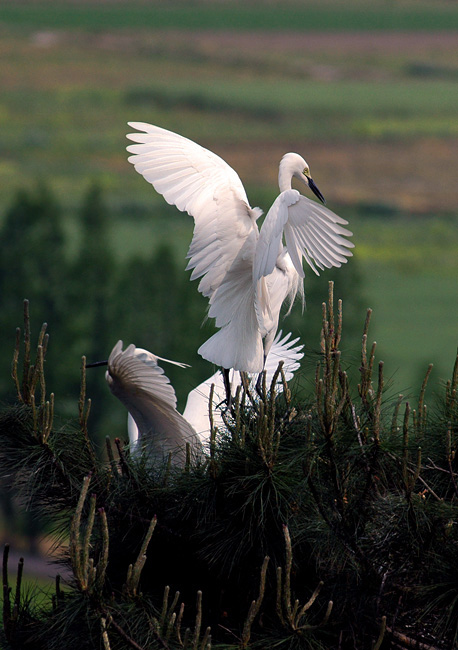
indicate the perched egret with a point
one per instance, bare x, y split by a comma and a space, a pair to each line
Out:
154, 424
245, 273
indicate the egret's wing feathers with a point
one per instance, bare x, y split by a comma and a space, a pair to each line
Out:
233, 305
316, 233
271, 234
131, 372
271, 292
201, 183
141, 385
311, 231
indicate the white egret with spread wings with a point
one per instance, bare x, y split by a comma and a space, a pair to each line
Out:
246, 273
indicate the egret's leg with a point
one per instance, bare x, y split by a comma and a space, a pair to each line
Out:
227, 386
261, 379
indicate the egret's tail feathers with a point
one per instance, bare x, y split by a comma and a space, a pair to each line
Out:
237, 345
287, 350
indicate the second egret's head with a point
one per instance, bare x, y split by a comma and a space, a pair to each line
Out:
292, 165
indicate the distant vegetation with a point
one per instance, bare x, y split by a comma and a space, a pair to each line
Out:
237, 15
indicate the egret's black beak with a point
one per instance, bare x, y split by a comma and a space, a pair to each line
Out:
315, 189
96, 364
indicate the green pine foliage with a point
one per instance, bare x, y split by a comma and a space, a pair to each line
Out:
322, 522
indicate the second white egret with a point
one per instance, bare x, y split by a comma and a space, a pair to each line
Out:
155, 427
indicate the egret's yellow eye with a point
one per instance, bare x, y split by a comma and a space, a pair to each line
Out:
306, 171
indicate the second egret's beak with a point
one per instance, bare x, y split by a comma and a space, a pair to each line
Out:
96, 364
315, 189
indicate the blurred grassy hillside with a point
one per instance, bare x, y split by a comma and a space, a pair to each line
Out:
367, 94
323, 15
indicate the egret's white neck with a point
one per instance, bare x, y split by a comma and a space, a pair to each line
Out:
284, 176
290, 165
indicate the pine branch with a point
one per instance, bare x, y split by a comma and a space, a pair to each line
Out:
255, 606
6, 591
133, 577
130, 642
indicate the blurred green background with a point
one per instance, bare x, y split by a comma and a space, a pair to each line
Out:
367, 93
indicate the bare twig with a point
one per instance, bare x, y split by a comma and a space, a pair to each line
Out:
421, 400
105, 639
75, 544
6, 590
103, 559
133, 578
198, 622
409, 642
381, 635
255, 605
125, 636
14, 365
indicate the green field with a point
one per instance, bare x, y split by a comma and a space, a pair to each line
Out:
368, 96
334, 16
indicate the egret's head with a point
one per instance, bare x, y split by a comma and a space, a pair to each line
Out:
294, 166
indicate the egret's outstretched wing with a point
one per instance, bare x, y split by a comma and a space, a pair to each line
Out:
311, 231
199, 182
141, 385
